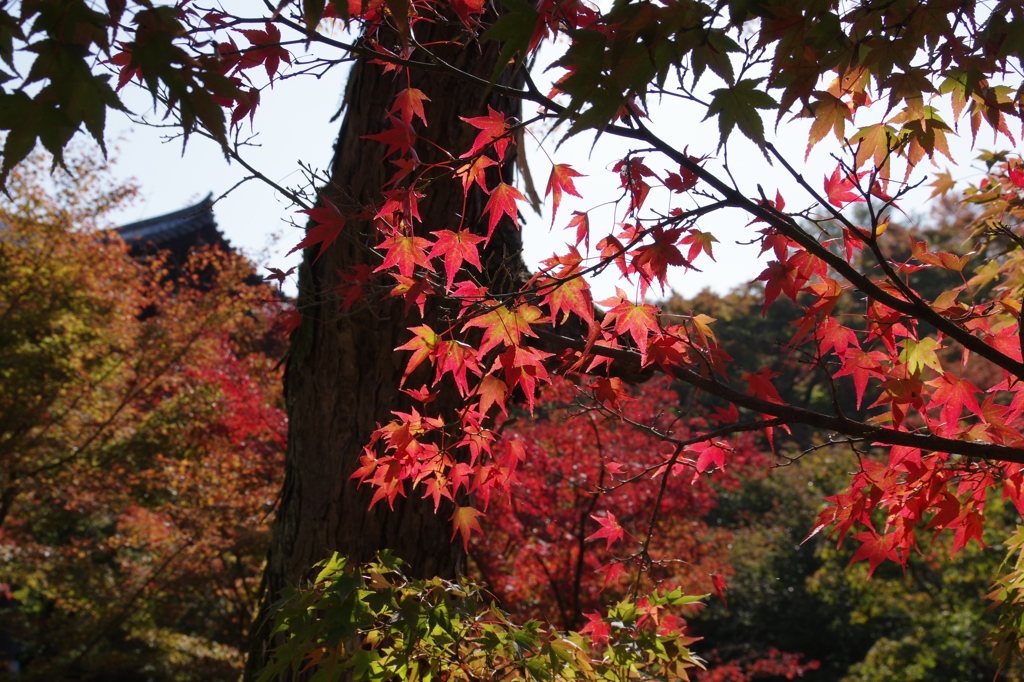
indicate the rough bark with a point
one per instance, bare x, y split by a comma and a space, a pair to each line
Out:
343, 375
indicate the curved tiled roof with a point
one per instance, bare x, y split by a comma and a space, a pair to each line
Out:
162, 229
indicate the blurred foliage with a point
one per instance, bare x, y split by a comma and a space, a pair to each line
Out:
930, 623
584, 463
141, 439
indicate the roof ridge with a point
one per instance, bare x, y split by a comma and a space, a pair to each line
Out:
170, 224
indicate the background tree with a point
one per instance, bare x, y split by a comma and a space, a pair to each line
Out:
343, 378
141, 437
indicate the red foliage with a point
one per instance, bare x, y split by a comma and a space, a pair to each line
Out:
582, 500
770, 665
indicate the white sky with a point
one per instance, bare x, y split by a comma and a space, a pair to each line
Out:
293, 125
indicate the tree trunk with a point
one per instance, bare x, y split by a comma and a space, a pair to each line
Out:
343, 374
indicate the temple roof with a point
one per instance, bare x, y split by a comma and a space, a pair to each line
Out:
193, 219
178, 233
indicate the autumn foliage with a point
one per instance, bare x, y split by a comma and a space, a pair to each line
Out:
587, 493
140, 441
935, 375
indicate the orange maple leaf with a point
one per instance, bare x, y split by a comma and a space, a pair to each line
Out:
465, 521
474, 172
506, 327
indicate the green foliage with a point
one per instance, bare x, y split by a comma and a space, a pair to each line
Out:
1008, 597
370, 622
804, 596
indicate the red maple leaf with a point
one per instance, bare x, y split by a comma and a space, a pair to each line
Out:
247, 103
613, 250
610, 529
699, 241
474, 172
423, 344
951, 394
413, 289
422, 394
652, 260
570, 296
708, 453
780, 277
597, 628
561, 180
760, 384
467, 9
582, 224
726, 415
492, 391
719, 587
862, 365
506, 327
266, 50
684, 181
841, 189
404, 201
876, 549
492, 130
457, 358
456, 247
278, 275
639, 320
128, 68
410, 103
1016, 174
355, 10
609, 391
502, 202
631, 173
404, 252
612, 573
833, 335
778, 204
969, 526
400, 137
524, 367
329, 223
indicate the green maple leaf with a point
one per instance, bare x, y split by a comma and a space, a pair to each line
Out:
514, 29
920, 354
737, 106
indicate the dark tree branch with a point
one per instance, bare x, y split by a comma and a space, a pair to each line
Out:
792, 414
